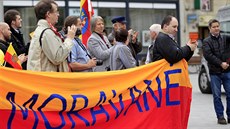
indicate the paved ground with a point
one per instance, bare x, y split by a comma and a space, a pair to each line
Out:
202, 115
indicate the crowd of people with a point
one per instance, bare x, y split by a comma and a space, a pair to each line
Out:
63, 51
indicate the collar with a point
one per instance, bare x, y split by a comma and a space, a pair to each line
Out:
170, 35
214, 36
4, 42
99, 34
153, 41
14, 30
17, 30
119, 43
55, 30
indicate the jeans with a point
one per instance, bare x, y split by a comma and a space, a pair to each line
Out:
216, 81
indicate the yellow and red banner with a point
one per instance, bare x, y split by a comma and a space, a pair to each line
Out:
153, 96
12, 58
85, 15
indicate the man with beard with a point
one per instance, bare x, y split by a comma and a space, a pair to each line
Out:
13, 19
5, 35
79, 58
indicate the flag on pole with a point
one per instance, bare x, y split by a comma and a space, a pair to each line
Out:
12, 58
86, 14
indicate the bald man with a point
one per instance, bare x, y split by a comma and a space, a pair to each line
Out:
5, 35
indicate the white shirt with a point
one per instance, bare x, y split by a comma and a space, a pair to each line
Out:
148, 58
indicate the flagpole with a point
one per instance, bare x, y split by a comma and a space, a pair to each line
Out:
4, 64
89, 8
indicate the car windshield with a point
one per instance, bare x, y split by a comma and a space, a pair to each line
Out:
224, 27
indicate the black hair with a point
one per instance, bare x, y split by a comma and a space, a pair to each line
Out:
121, 35
43, 7
212, 21
69, 21
166, 21
10, 16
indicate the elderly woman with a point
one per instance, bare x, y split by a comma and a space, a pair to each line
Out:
121, 56
98, 44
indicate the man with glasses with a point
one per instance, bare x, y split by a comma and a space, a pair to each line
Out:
48, 51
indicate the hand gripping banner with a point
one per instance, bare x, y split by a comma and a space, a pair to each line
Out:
153, 96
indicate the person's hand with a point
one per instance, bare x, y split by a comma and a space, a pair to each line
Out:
22, 58
192, 45
134, 35
224, 65
71, 31
92, 62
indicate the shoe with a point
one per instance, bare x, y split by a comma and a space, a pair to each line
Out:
222, 121
229, 120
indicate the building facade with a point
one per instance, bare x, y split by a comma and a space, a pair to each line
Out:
196, 14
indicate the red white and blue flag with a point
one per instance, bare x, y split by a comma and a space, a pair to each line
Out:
86, 14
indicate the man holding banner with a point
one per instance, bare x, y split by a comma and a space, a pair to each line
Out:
165, 45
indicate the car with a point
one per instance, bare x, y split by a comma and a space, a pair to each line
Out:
204, 78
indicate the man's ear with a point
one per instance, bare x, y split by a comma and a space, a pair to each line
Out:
48, 14
13, 22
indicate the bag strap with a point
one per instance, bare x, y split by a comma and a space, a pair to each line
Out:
40, 38
83, 47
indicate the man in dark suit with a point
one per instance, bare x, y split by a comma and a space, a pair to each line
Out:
167, 48
13, 19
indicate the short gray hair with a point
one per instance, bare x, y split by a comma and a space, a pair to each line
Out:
94, 21
155, 28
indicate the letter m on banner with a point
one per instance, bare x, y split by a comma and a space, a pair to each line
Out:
86, 14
